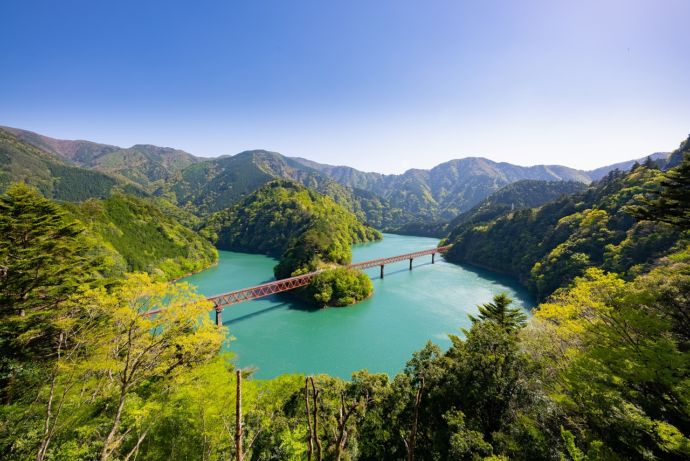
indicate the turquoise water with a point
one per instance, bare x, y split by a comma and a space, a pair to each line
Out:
408, 308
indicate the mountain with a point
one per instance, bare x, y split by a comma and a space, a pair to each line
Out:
386, 201
143, 234
287, 220
218, 183
143, 164
527, 193
546, 247
447, 189
52, 175
624, 166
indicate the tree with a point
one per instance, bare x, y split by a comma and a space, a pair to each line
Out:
41, 265
671, 204
500, 313
139, 352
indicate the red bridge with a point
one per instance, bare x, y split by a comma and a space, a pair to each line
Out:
266, 289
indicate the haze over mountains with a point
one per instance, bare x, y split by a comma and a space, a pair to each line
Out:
211, 184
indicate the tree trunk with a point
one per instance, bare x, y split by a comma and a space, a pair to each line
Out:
310, 441
107, 449
413, 435
238, 417
319, 448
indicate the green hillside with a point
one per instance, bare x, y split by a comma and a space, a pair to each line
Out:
216, 184
526, 193
304, 229
146, 165
547, 247
134, 234
448, 189
22, 162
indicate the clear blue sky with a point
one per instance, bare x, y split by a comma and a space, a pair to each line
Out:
378, 85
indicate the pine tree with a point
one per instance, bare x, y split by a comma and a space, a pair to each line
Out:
511, 318
41, 265
672, 203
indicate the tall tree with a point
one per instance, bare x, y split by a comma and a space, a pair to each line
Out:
671, 204
139, 353
41, 266
500, 312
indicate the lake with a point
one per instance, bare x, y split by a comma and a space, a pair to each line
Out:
278, 335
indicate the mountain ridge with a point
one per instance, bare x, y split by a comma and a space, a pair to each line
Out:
384, 200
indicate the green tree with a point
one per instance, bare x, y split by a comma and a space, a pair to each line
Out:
41, 265
671, 204
138, 354
500, 312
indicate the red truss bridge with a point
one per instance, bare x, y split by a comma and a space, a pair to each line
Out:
266, 289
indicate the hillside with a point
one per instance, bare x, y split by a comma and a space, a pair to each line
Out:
53, 176
387, 202
599, 173
526, 193
143, 164
449, 188
547, 247
216, 184
282, 218
133, 234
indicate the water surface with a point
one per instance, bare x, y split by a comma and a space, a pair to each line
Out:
277, 335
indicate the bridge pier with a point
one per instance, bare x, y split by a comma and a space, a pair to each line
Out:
432, 257
219, 316
381, 270
410, 263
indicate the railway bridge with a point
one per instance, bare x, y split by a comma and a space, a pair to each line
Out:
266, 289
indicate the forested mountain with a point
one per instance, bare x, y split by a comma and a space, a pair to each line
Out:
386, 201
600, 371
306, 230
449, 188
133, 234
53, 176
219, 183
599, 173
526, 193
547, 247
144, 164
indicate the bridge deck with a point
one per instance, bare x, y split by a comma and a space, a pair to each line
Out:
279, 286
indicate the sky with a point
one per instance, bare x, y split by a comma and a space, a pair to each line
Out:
381, 85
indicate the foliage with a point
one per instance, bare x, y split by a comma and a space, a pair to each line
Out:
501, 314
546, 247
22, 162
288, 220
135, 235
339, 287
618, 369
671, 204
41, 264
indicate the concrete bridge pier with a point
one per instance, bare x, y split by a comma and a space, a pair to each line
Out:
381, 270
410, 263
219, 316
432, 257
